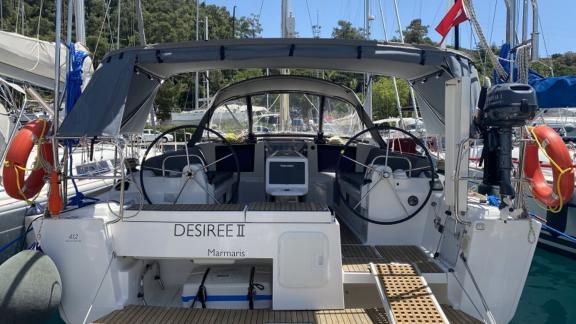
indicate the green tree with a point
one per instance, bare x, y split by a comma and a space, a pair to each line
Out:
384, 97
416, 33
345, 30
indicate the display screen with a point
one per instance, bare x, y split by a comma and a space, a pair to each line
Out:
287, 173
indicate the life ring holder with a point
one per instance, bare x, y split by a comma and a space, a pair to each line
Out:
30, 135
548, 141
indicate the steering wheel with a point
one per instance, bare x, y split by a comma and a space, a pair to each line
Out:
188, 172
384, 175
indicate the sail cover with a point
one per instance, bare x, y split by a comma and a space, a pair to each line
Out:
122, 90
31, 60
556, 92
552, 92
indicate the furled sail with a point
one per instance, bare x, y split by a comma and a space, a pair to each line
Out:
31, 60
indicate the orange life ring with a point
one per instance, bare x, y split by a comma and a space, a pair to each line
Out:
16, 160
555, 195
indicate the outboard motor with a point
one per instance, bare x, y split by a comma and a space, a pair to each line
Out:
505, 106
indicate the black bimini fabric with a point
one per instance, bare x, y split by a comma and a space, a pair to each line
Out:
120, 95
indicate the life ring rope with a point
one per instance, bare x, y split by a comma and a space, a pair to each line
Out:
39, 162
554, 164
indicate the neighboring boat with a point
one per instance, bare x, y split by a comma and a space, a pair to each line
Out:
563, 120
230, 112
413, 125
556, 99
557, 95
286, 221
32, 60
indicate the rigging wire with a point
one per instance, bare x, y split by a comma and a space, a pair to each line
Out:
39, 19
310, 17
260, 11
17, 16
546, 46
484, 61
421, 7
437, 10
110, 34
101, 29
474, 21
493, 20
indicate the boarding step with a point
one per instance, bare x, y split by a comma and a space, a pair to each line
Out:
456, 316
355, 257
154, 314
405, 294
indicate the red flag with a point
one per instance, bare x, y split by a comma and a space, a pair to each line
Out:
455, 16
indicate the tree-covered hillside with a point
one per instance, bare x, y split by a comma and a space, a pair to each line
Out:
109, 27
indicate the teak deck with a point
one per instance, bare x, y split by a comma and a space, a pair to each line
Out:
152, 314
398, 267
166, 315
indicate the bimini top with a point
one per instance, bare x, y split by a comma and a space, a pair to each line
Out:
120, 95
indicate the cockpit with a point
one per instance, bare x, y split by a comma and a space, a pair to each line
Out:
307, 141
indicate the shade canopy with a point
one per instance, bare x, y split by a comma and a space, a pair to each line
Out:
122, 90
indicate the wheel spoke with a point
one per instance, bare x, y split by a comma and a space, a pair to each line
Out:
385, 174
419, 168
367, 192
212, 163
362, 164
181, 190
397, 197
191, 175
206, 190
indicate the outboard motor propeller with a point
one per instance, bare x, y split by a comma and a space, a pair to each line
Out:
506, 106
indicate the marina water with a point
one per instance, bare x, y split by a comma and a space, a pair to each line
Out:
549, 296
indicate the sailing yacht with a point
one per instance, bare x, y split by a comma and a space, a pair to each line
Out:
285, 225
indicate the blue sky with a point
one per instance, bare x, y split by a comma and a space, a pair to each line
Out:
556, 17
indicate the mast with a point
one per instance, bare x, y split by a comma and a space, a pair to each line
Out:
288, 31
70, 5
367, 79
142, 34
56, 121
207, 71
316, 29
511, 22
535, 31
80, 24
412, 95
118, 25
525, 21
140, 23
394, 83
196, 75
456, 35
